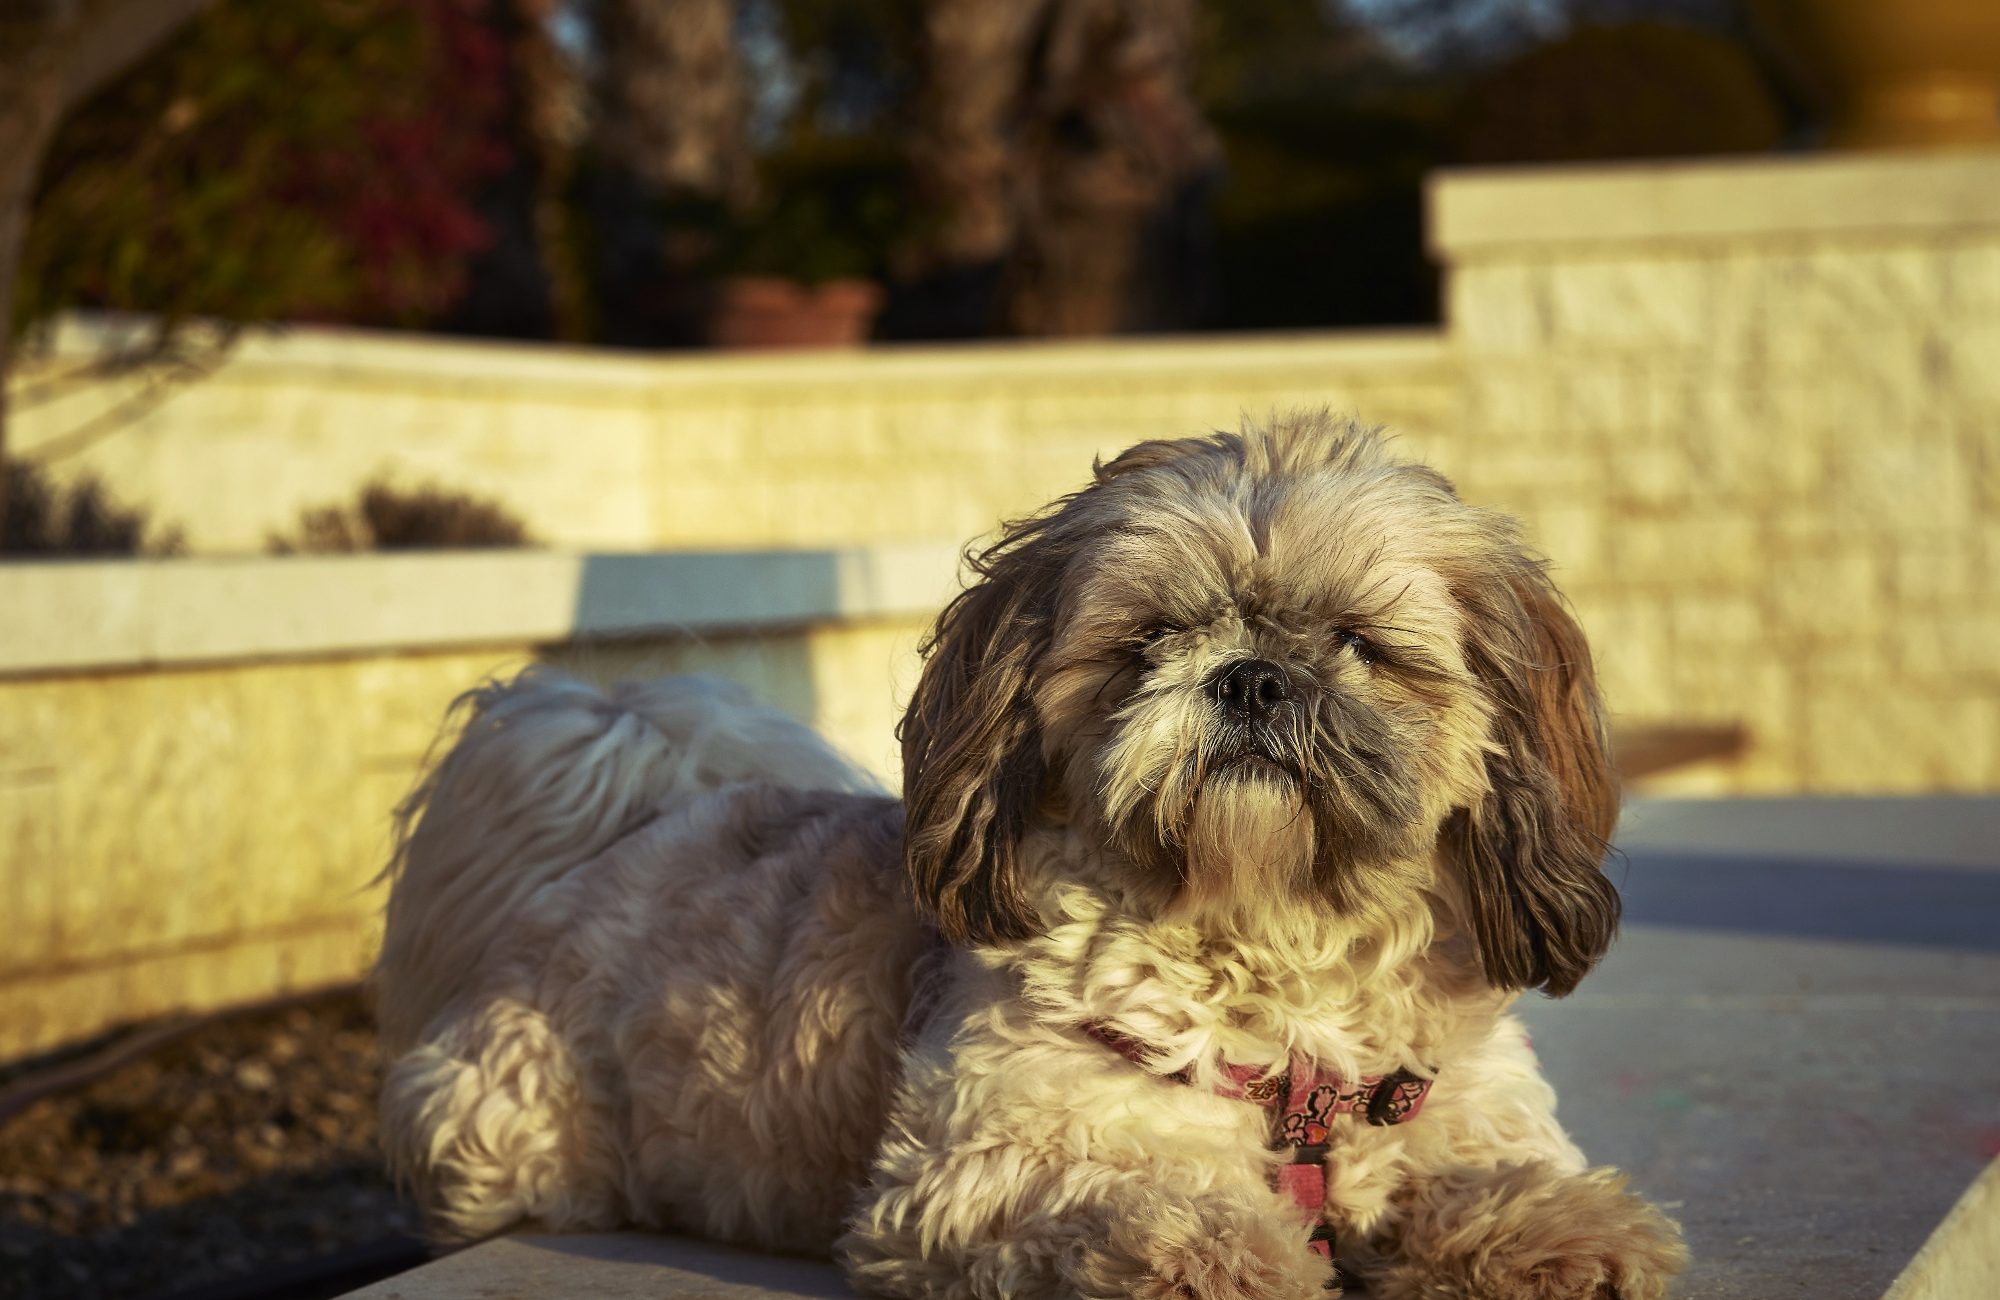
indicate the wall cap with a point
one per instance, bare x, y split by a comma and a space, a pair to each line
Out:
430, 361
66, 616
1484, 211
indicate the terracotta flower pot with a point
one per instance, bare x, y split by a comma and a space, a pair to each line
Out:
1896, 73
766, 312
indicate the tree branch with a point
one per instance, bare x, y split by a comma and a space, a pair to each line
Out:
53, 55
116, 35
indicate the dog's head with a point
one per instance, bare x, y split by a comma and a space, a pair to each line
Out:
1275, 669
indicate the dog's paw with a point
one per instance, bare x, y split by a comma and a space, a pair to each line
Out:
1229, 1263
1530, 1232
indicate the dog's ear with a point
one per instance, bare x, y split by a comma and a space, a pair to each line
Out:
972, 748
1532, 850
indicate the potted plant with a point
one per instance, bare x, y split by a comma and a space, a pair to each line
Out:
802, 267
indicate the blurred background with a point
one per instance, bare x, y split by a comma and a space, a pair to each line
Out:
357, 349
611, 171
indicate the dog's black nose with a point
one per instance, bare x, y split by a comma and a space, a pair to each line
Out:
1252, 690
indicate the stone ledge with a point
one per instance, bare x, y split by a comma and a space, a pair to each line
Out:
1962, 1258
66, 616
611, 1266
613, 375
1477, 212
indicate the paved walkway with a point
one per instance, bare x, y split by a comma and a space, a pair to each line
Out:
1796, 1041
1795, 1045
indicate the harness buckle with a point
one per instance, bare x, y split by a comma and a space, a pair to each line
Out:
1395, 1097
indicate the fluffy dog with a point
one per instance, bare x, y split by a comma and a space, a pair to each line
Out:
1245, 789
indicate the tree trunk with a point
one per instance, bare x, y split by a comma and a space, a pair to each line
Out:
675, 99
551, 112
1059, 140
1117, 164
33, 76
672, 140
962, 138
976, 57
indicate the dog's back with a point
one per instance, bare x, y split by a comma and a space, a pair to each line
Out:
547, 772
647, 957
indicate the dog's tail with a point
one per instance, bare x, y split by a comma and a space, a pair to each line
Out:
547, 773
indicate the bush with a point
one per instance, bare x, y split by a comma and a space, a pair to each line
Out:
389, 518
832, 209
278, 160
1636, 90
1321, 221
46, 521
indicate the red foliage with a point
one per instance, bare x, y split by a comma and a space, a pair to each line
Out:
404, 197
282, 160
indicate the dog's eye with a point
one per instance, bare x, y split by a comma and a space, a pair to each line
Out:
1363, 648
1146, 638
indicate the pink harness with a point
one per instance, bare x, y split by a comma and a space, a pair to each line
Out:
1302, 1102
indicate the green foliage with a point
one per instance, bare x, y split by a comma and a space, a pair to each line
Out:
832, 209
1321, 220
1326, 138
1328, 135
1251, 51
45, 521
832, 181
385, 517
278, 159
854, 62
1634, 90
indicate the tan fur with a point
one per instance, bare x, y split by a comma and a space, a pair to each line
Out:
659, 958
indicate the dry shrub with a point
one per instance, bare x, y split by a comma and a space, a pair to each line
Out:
48, 521
386, 517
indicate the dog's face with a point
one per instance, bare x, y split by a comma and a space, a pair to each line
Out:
1266, 671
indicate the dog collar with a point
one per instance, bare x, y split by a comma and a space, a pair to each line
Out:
1302, 1101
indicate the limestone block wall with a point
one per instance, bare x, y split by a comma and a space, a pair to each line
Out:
191, 814
599, 449
1753, 411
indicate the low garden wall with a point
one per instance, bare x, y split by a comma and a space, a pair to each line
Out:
599, 449
198, 758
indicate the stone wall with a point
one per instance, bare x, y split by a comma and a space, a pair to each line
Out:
196, 821
1753, 411
198, 837
601, 449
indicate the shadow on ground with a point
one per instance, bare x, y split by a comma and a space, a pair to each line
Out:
245, 1146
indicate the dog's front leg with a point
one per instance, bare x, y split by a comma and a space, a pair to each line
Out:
1069, 1175
1528, 1232
1493, 1202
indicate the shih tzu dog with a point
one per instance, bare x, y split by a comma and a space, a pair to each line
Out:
1244, 790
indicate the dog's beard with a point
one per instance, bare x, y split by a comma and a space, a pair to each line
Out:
1249, 840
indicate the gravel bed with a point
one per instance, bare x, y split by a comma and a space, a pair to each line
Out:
246, 1145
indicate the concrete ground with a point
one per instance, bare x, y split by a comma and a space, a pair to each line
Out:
1795, 1047
1796, 1042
